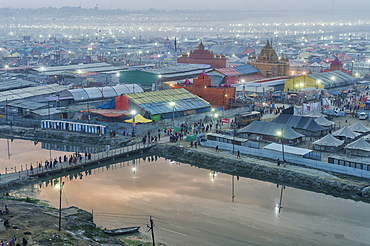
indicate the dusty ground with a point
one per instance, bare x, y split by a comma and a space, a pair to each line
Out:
41, 225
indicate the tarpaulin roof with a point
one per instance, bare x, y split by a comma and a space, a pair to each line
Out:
359, 144
358, 127
313, 114
246, 69
138, 119
322, 121
271, 129
299, 122
158, 102
110, 112
345, 132
329, 141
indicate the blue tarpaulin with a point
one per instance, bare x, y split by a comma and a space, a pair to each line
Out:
334, 93
108, 105
219, 109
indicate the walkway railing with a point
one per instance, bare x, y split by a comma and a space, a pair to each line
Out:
95, 158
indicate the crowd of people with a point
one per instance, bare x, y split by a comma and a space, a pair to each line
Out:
13, 242
73, 159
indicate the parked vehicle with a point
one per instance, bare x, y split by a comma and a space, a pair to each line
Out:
362, 116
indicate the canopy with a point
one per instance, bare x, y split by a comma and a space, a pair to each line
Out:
329, 141
360, 128
313, 114
253, 95
359, 144
138, 119
322, 121
345, 132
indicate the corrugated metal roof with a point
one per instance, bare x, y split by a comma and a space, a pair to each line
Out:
15, 84
228, 71
158, 102
333, 79
180, 105
83, 94
30, 92
178, 68
288, 149
229, 50
159, 96
246, 69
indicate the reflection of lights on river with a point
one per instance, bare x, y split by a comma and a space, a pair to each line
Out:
213, 174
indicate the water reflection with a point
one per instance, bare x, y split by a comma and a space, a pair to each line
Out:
193, 205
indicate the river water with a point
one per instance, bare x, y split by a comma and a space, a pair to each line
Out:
193, 206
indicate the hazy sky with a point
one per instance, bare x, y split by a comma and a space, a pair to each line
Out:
196, 4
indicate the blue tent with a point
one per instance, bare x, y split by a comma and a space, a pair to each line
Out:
334, 93
108, 105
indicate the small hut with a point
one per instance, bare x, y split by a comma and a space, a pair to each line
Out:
322, 121
346, 134
328, 143
313, 114
358, 148
359, 128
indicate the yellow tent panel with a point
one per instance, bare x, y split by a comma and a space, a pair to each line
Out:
138, 119
301, 82
253, 95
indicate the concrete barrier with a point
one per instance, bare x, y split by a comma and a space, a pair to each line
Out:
289, 158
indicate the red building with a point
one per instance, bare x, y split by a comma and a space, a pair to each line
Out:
337, 65
220, 96
202, 56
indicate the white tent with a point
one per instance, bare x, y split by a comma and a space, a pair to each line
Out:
359, 127
345, 132
329, 141
358, 148
313, 114
322, 121
359, 144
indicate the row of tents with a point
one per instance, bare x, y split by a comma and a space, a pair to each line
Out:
347, 135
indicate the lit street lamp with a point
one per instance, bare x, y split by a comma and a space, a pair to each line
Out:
7, 71
60, 188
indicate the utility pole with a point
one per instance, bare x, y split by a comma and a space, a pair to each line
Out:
232, 190
151, 229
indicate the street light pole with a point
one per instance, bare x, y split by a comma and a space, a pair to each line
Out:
60, 203
282, 142
173, 114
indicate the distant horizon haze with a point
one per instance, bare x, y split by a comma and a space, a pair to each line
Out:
268, 5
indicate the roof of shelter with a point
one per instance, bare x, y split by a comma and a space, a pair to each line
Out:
345, 132
178, 68
359, 127
15, 84
271, 129
322, 121
246, 69
30, 92
359, 144
329, 141
230, 50
288, 149
83, 94
313, 114
299, 122
228, 71
333, 79
158, 102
